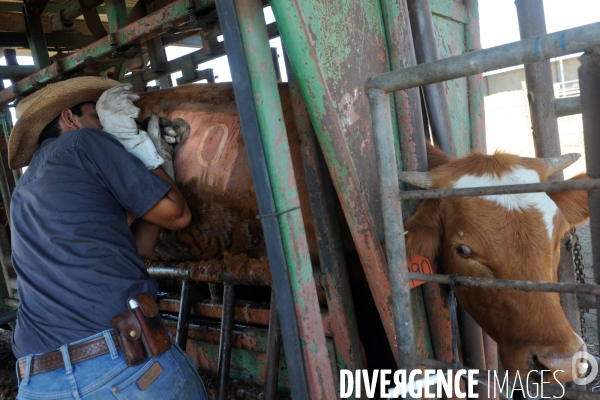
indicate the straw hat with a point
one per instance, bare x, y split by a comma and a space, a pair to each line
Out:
39, 109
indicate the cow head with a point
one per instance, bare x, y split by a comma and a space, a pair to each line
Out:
505, 237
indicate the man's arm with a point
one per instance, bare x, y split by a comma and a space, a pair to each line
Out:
171, 211
146, 237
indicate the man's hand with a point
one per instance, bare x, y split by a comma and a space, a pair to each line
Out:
116, 110
117, 114
163, 148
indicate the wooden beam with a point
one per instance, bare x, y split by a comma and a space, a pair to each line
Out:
14, 22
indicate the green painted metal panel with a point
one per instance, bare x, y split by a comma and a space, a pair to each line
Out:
279, 163
451, 39
334, 47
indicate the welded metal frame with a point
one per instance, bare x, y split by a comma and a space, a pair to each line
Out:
379, 87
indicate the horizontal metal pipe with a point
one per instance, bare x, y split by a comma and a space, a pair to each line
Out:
562, 186
522, 52
246, 312
527, 286
134, 33
564, 106
240, 272
166, 272
15, 71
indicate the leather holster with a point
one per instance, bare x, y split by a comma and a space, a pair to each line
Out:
129, 332
154, 335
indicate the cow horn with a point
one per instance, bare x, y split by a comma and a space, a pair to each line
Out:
419, 179
556, 164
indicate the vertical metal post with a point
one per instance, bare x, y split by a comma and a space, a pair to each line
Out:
540, 93
273, 351
408, 102
225, 342
185, 303
394, 227
438, 109
116, 12
279, 165
325, 86
266, 203
331, 253
35, 35
589, 81
475, 82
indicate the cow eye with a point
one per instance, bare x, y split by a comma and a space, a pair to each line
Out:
463, 250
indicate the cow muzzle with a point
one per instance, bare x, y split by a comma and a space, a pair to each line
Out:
565, 366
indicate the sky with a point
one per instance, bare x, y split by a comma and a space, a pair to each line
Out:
498, 25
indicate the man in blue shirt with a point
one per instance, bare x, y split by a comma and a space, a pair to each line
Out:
77, 260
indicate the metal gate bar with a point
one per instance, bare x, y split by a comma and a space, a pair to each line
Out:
540, 92
589, 80
183, 320
281, 173
436, 99
525, 51
266, 203
378, 87
548, 187
225, 342
527, 286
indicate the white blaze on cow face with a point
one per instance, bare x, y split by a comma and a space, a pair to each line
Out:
515, 202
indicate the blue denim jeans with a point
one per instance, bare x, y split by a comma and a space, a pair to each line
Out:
108, 377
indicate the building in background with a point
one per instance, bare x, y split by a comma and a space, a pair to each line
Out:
507, 120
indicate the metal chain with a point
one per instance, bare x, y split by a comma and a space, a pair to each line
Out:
579, 276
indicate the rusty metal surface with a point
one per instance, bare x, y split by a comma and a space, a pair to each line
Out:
246, 312
273, 135
238, 269
331, 253
136, 32
331, 75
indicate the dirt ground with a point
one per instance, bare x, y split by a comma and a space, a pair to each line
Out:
8, 379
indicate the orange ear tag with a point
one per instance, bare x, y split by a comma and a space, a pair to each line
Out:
420, 265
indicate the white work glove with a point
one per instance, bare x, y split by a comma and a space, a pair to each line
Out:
160, 139
117, 114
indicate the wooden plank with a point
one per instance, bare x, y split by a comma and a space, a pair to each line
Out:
14, 22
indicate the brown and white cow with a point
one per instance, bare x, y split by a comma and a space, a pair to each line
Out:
506, 237
511, 237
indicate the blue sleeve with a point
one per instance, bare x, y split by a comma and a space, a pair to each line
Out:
123, 174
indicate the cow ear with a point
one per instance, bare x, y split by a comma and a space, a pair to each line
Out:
424, 230
436, 156
573, 204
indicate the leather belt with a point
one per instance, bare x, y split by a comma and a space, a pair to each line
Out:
77, 353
